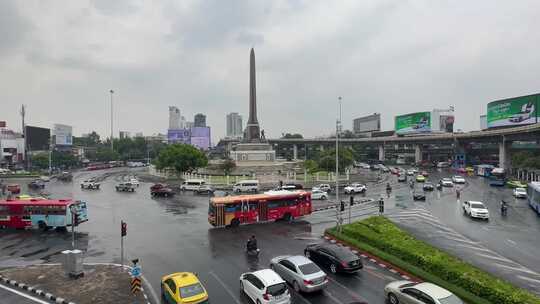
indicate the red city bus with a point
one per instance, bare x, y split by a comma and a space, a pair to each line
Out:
248, 209
41, 213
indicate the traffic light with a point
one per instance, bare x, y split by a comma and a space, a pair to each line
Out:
342, 206
381, 206
76, 219
351, 201
123, 228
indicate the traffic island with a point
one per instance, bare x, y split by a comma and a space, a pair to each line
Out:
100, 284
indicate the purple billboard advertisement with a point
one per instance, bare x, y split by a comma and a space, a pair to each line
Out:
178, 136
200, 137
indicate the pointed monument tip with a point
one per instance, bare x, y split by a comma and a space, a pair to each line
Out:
252, 50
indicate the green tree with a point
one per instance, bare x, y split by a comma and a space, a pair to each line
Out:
227, 166
40, 160
327, 159
105, 154
291, 135
92, 140
311, 166
182, 158
64, 160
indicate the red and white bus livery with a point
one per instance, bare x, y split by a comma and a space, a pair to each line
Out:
248, 209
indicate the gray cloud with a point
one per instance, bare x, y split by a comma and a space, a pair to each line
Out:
390, 56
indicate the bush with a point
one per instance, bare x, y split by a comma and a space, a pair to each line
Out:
382, 235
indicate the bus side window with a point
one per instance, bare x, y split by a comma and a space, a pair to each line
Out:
253, 206
233, 207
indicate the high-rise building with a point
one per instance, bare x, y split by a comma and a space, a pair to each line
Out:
234, 125
124, 134
174, 117
199, 120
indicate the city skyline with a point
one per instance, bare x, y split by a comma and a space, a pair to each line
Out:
372, 65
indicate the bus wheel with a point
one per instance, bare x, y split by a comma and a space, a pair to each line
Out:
288, 217
43, 226
235, 223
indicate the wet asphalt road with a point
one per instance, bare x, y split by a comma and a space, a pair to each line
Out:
170, 235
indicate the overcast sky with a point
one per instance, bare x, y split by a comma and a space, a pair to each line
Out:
61, 58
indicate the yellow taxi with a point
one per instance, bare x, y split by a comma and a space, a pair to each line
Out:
183, 287
420, 178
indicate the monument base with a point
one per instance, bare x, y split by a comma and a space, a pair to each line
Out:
253, 152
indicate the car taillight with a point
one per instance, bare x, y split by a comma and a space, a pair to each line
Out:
308, 282
266, 296
344, 264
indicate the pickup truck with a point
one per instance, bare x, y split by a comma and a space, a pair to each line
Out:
161, 190
125, 187
90, 184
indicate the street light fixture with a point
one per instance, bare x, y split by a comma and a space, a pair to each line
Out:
338, 127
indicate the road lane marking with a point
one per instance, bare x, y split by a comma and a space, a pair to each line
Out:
227, 289
23, 294
331, 297
529, 279
353, 294
519, 268
511, 242
495, 257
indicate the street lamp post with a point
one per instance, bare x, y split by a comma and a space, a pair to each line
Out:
112, 144
338, 125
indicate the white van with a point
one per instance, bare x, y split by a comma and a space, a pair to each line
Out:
246, 186
192, 184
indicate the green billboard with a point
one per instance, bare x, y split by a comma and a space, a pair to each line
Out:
515, 111
413, 123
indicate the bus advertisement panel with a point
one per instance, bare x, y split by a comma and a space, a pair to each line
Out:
419, 122
248, 209
515, 111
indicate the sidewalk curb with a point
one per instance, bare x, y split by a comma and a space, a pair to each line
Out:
35, 291
374, 259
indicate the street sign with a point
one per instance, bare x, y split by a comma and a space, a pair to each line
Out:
135, 285
136, 271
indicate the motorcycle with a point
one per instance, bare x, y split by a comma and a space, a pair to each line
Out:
504, 208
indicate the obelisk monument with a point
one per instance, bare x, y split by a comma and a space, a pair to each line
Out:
253, 132
254, 147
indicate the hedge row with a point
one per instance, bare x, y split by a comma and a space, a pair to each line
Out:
382, 234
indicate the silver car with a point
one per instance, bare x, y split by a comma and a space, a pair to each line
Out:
300, 272
407, 292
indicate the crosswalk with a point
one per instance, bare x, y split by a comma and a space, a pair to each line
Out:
424, 225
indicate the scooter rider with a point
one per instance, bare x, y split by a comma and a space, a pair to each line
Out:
504, 208
252, 244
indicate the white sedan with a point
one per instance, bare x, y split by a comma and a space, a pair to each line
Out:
318, 194
458, 179
520, 193
355, 188
447, 182
475, 210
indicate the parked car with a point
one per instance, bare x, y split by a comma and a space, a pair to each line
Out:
36, 184
520, 193
317, 194
475, 210
265, 286
161, 190
90, 184
204, 189
420, 178
446, 182
14, 188
300, 272
428, 187
402, 178
408, 292
334, 257
419, 196
325, 187
458, 179
125, 187
183, 287
355, 188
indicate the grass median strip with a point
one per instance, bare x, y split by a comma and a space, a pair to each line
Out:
380, 237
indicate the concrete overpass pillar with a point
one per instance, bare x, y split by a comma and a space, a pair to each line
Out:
295, 152
417, 154
504, 155
381, 153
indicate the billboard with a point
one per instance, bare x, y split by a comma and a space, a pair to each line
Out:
368, 123
419, 122
515, 111
446, 123
200, 137
37, 139
178, 136
63, 135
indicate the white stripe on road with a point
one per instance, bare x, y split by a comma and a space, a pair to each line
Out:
528, 279
227, 289
495, 257
23, 295
511, 242
518, 268
331, 297
353, 294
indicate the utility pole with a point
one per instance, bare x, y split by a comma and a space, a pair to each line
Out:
50, 155
338, 122
23, 114
112, 144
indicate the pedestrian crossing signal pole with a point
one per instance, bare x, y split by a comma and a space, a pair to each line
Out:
123, 233
351, 202
381, 206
